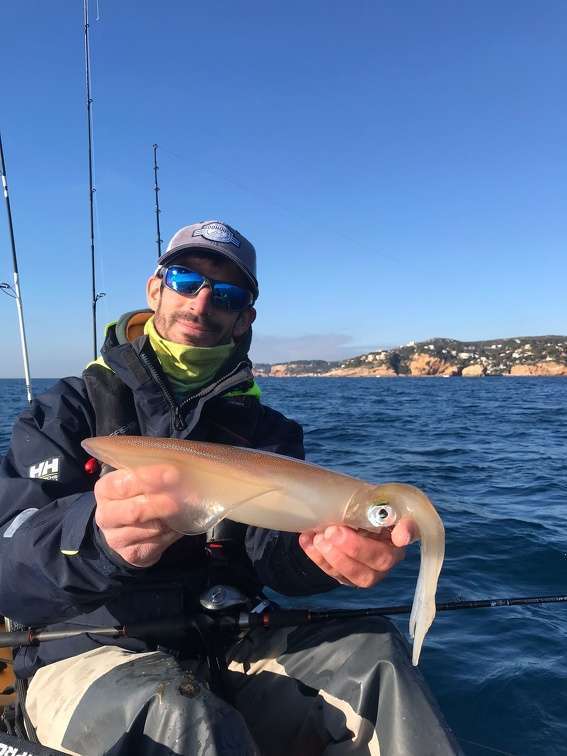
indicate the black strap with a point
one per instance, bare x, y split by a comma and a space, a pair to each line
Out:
23, 726
214, 646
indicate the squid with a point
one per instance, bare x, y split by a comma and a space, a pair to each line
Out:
268, 490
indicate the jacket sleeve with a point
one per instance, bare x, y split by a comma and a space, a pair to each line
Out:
51, 565
278, 559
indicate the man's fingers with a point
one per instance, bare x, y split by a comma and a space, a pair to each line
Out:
338, 565
140, 553
378, 554
136, 510
356, 557
123, 484
132, 512
306, 543
405, 532
362, 575
152, 533
119, 484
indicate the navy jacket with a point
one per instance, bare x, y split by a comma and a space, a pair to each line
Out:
55, 567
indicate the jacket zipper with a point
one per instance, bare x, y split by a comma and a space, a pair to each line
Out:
178, 421
212, 388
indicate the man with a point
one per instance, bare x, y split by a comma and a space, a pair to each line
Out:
88, 550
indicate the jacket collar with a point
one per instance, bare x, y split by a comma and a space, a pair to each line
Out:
136, 364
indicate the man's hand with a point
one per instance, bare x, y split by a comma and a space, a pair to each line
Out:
356, 557
130, 512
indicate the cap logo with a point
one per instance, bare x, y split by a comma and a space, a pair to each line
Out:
217, 232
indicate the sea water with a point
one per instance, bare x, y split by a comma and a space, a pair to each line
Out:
491, 454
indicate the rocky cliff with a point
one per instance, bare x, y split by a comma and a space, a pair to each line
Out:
525, 355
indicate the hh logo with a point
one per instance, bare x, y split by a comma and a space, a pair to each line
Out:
47, 470
8, 750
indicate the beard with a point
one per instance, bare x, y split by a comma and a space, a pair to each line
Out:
165, 324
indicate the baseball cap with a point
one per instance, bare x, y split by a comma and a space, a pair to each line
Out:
217, 237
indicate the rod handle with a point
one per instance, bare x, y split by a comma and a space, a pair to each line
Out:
19, 638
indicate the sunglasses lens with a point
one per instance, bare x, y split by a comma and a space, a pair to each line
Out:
183, 281
226, 296
230, 297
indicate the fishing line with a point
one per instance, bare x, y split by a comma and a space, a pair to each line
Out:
283, 211
8, 290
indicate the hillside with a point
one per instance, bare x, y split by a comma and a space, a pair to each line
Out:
524, 355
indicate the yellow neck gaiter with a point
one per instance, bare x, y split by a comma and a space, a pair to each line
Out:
187, 367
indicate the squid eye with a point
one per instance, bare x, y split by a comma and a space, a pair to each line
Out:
381, 515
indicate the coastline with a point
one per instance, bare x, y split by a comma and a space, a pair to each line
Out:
406, 376
524, 356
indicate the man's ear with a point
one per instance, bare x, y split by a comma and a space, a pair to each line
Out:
243, 322
153, 292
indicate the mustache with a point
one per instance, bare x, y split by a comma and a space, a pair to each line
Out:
202, 320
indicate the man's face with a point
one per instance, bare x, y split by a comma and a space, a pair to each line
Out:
195, 321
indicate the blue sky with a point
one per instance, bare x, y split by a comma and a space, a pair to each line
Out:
400, 166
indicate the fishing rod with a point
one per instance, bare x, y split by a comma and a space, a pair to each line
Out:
286, 617
92, 190
243, 620
158, 211
16, 288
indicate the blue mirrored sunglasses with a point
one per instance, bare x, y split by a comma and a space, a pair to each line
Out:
226, 296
